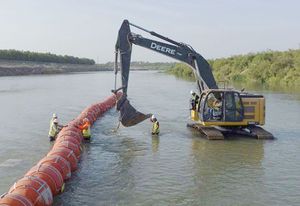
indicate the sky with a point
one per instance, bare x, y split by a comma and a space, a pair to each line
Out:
88, 28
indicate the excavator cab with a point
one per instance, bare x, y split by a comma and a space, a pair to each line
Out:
220, 106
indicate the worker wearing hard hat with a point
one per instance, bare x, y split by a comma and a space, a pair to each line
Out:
194, 101
86, 129
155, 125
54, 127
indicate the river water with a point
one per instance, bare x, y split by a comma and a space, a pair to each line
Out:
129, 166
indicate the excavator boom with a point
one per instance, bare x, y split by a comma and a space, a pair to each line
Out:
173, 49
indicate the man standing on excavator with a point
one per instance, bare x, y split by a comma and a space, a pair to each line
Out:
194, 101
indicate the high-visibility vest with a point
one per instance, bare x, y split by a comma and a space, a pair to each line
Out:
86, 129
155, 127
53, 129
86, 132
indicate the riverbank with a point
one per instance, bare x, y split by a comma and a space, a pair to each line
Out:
15, 68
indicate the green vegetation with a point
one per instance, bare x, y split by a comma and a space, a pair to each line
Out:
181, 70
270, 68
42, 57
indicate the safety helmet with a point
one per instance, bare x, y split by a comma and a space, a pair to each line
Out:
55, 121
192, 92
152, 117
54, 115
85, 120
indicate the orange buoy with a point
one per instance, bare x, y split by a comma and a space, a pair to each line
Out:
68, 144
96, 109
74, 123
15, 200
50, 175
67, 154
71, 130
76, 134
72, 139
86, 115
60, 163
34, 189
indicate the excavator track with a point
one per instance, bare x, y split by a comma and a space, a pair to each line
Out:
260, 133
211, 133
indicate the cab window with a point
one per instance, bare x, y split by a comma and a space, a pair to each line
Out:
233, 107
213, 107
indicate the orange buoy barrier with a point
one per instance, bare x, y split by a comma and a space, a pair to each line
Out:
60, 163
50, 175
46, 179
15, 200
66, 153
35, 189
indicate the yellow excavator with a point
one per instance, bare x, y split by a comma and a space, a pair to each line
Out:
218, 111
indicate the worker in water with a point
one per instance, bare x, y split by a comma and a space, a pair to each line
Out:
86, 129
155, 125
194, 101
54, 127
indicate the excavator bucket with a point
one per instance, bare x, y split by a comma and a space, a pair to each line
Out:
129, 116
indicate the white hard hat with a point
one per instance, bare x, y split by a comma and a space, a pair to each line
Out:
54, 115
55, 121
152, 117
192, 92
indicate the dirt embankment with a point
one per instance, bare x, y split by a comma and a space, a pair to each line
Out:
14, 68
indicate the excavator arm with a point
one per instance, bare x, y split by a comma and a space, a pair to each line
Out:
173, 49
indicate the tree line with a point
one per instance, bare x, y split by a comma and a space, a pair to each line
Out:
42, 57
269, 68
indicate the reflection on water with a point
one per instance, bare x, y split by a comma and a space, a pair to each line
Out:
129, 166
155, 143
227, 157
272, 88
